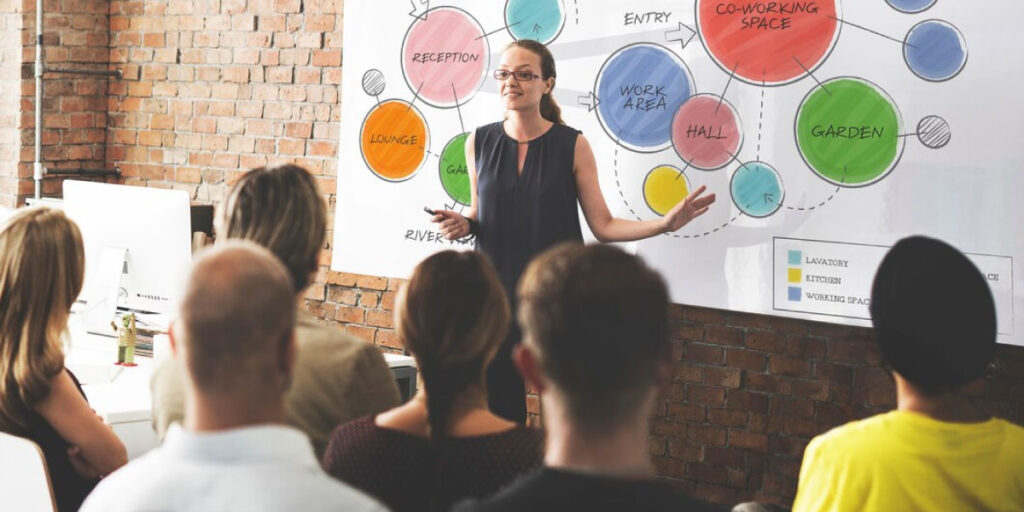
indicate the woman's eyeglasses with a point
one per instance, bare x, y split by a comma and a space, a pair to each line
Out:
522, 76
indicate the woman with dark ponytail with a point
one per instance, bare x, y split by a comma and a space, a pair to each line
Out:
527, 174
444, 445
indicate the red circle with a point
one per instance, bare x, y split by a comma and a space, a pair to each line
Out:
706, 132
768, 42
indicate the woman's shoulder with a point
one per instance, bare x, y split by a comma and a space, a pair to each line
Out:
352, 437
490, 129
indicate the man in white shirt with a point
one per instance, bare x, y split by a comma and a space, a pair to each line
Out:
235, 334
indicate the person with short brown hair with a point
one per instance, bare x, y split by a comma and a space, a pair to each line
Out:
445, 444
337, 377
235, 334
596, 349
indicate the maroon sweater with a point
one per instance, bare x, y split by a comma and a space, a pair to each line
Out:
406, 473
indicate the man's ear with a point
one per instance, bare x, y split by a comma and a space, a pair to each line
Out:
528, 365
173, 338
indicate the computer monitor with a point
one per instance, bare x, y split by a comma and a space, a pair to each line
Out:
153, 228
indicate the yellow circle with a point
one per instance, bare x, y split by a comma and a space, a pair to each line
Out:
664, 187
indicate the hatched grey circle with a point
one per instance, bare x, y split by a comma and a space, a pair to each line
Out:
933, 132
373, 82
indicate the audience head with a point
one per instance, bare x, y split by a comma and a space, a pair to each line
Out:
595, 322
281, 209
934, 315
452, 315
42, 265
236, 322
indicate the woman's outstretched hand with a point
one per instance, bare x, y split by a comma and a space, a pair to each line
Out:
453, 225
695, 205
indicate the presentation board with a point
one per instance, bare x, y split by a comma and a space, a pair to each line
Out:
828, 130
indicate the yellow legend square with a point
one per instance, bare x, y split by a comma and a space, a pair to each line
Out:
795, 275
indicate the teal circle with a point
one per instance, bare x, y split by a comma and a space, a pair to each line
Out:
757, 189
540, 20
453, 169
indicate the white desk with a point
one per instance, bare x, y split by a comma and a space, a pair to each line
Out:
126, 402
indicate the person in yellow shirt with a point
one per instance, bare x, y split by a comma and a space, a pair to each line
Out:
935, 325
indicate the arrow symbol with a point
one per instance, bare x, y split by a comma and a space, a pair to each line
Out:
769, 197
536, 28
684, 34
419, 9
591, 101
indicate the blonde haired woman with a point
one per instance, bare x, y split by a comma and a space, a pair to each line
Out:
445, 444
42, 265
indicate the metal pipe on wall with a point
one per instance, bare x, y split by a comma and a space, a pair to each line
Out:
37, 165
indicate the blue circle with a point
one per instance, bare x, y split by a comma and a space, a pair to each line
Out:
756, 189
935, 51
640, 88
911, 6
540, 20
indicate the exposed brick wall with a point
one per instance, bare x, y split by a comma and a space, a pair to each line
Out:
10, 90
213, 88
750, 391
75, 36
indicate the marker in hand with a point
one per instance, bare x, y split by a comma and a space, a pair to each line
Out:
448, 221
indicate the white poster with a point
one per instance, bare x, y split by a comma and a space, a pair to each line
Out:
845, 124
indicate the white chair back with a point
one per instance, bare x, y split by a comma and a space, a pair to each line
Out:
24, 479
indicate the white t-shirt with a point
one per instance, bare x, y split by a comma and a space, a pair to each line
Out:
258, 468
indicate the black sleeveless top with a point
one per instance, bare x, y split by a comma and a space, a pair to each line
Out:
521, 215
69, 488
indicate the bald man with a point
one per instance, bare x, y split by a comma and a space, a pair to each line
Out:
235, 334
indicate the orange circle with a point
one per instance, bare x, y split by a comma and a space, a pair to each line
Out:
768, 42
394, 140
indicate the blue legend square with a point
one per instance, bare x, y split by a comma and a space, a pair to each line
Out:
794, 293
794, 257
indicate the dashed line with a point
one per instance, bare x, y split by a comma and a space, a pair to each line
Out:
760, 124
618, 184
577, 4
706, 233
819, 205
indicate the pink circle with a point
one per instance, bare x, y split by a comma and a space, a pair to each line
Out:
706, 132
445, 56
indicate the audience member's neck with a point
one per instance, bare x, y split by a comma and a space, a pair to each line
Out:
953, 407
209, 413
620, 452
469, 415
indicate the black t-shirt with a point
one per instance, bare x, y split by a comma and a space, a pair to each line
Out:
550, 489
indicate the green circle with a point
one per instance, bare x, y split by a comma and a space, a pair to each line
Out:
454, 174
848, 132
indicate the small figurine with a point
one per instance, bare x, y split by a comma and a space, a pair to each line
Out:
125, 340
